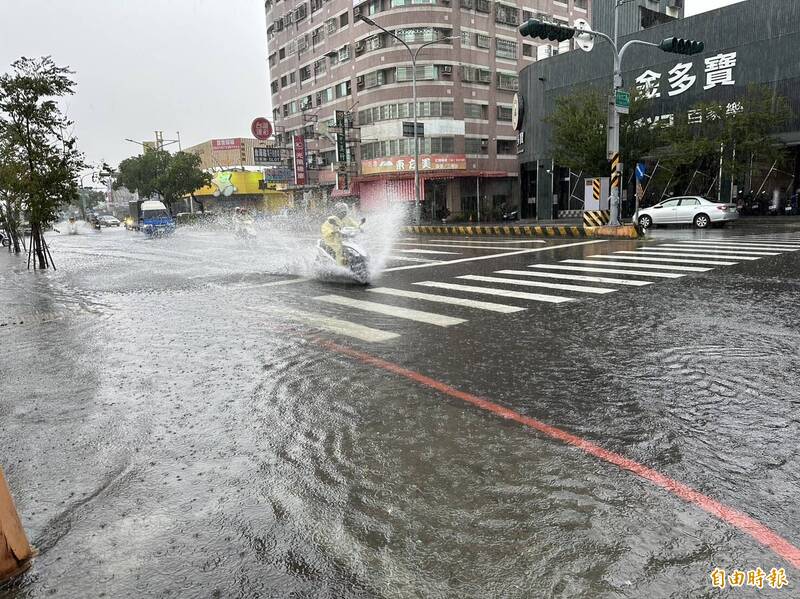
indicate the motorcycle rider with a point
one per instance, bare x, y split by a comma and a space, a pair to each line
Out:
331, 230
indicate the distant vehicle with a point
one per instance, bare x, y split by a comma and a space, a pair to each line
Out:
129, 222
693, 210
155, 219
109, 221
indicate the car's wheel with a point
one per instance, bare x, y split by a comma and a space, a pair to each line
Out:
701, 221
645, 222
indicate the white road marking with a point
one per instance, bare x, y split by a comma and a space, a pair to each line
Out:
677, 254
615, 271
551, 299
634, 266
745, 246
416, 251
708, 250
481, 241
410, 259
275, 283
503, 255
582, 278
449, 245
446, 299
660, 259
334, 325
387, 310
544, 284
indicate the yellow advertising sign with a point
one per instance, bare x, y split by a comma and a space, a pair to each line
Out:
227, 183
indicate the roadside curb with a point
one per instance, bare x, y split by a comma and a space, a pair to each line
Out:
623, 232
512, 231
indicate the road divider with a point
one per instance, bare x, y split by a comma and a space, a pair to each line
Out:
625, 231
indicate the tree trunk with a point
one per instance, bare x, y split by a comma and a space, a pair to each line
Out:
37, 241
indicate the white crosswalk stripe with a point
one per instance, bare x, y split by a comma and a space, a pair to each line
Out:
615, 271
652, 253
581, 278
387, 310
542, 284
659, 259
410, 259
552, 299
418, 251
334, 325
482, 241
446, 299
635, 266
745, 246
673, 247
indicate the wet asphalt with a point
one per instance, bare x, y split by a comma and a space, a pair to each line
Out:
173, 424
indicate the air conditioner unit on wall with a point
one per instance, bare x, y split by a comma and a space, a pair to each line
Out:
447, 69
359, 47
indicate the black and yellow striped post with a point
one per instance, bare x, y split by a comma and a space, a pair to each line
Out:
615, 191
596, 190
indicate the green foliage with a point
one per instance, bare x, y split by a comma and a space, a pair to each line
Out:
40, 159
749, 128
171, 176
579, 125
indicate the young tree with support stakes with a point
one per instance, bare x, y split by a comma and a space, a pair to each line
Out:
40, 159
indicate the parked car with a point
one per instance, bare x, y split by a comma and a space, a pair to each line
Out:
109, 221
694, 210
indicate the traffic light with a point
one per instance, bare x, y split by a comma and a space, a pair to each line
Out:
546, 31
678, 45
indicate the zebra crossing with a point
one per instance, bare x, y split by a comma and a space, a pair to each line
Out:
563, 282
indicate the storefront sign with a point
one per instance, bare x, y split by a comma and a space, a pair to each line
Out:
718, 72
267, 155
261, 128
299, 160
226, 144
405, 164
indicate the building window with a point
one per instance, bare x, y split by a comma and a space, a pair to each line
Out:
527, 50
300, 13
344, 53
344, 19
506, 146
507, 15
305, 73
316, 36
320, 66
582, 4
273, 59
473, 145
424, 72
483, 6
315, 5
396, 3
505, 48
284, 81
331, 26
373, 43
291, 77
467, 38
343, 89
468, 4
482, 41
418, 36
504, 113
274, 86
507, 82
476, 111
374, 79
281, 53
475, 75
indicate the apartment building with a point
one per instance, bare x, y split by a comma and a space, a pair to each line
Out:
322, 58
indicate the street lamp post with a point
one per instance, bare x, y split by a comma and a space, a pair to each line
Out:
414, 54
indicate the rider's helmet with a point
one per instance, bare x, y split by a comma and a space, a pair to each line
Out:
340, 209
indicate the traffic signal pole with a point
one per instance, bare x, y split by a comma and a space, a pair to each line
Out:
551, 31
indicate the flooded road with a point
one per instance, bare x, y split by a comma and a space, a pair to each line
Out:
187, 417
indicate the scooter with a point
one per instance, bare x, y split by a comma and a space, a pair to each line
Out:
513, 215
356, 257
72, 226
246, 233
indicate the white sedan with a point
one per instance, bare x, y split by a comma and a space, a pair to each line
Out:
687, 210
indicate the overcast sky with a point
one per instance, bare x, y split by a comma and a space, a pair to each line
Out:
194, 66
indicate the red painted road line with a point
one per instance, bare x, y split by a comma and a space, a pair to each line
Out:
735, 518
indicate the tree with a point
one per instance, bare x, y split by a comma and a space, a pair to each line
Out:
171, 176
736, 132
579, 124
36, 147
